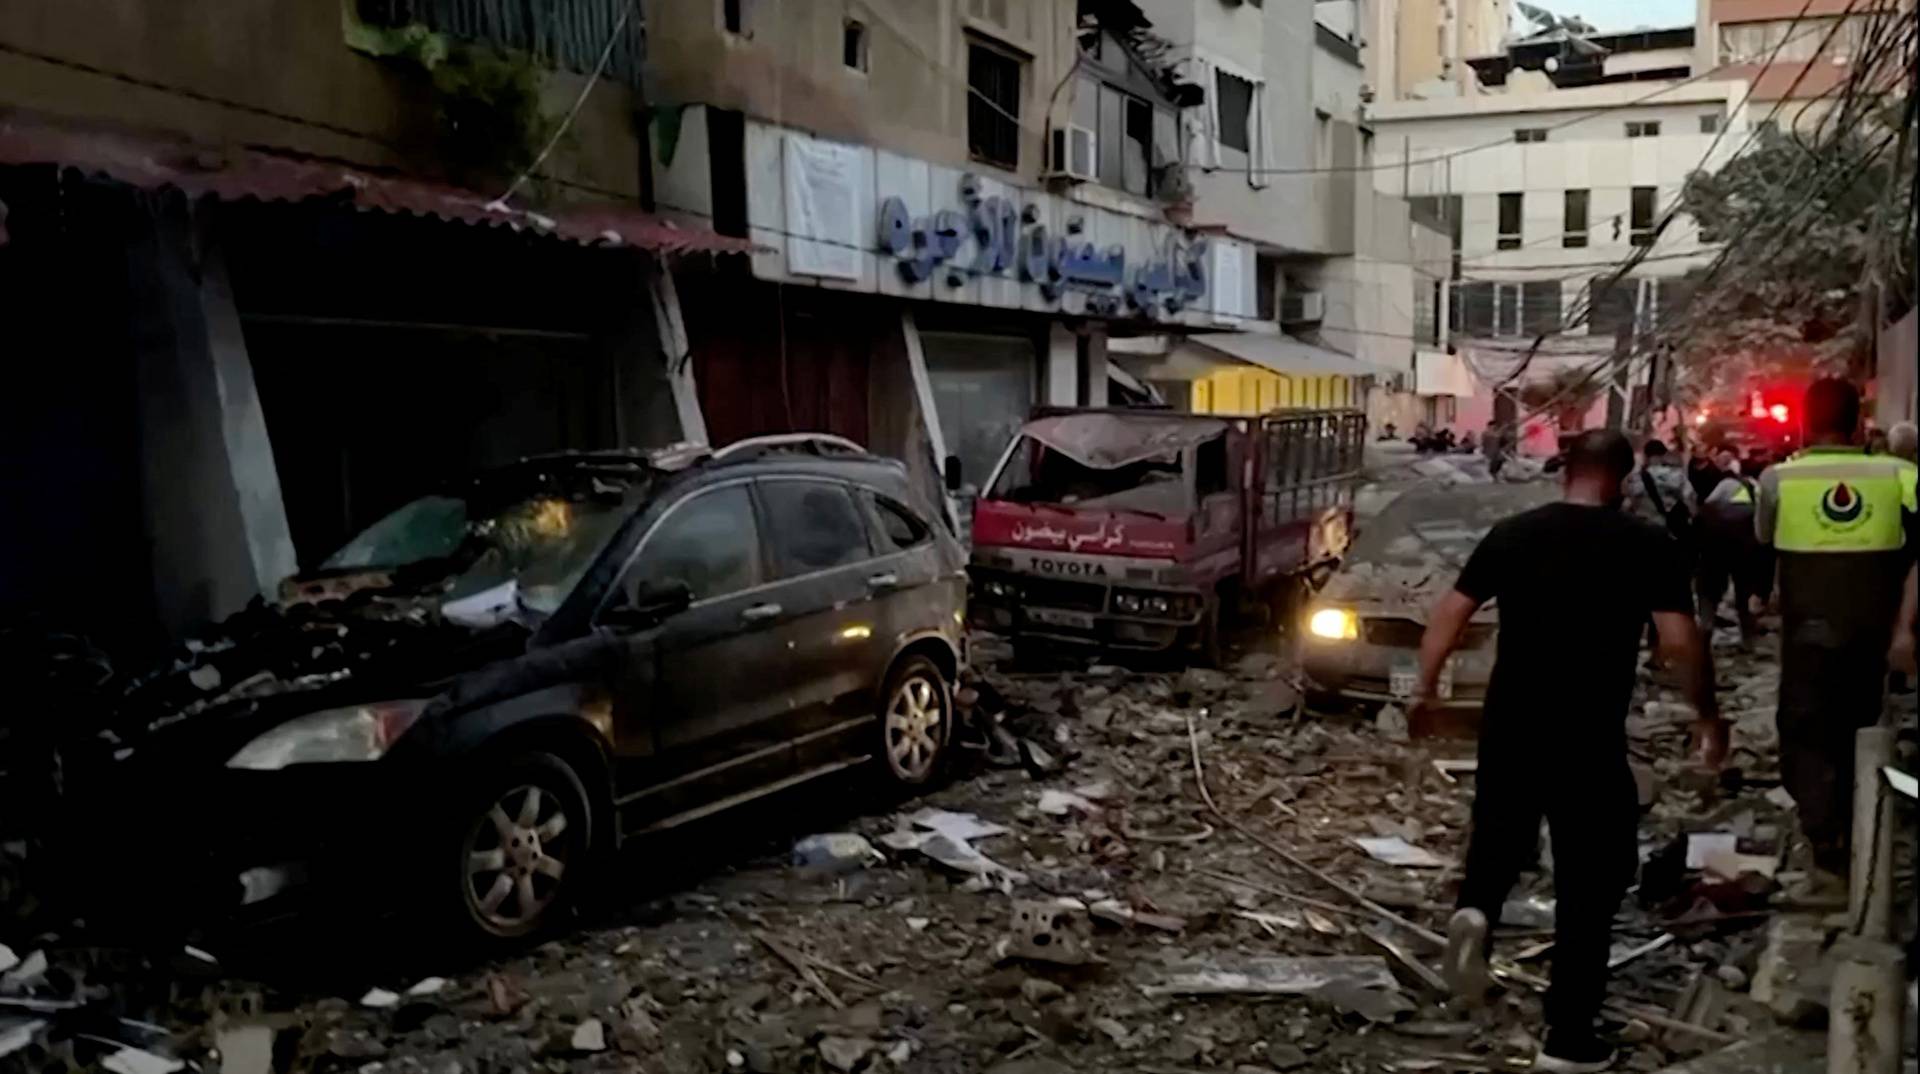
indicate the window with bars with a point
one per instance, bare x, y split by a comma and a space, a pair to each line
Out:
1530, 134
1649, 128
993, 105
570, 36
1710, 123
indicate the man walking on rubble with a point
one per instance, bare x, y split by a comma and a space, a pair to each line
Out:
1842, 526
1553, 743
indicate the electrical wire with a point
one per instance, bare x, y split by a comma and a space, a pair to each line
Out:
499, 204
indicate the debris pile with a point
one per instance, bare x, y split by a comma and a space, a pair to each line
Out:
1136, 870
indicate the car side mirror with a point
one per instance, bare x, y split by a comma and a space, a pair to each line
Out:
952, 473
653, 603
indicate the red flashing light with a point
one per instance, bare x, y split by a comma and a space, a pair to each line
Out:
1780, 412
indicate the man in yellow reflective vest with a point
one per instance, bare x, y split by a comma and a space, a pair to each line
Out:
1842, 526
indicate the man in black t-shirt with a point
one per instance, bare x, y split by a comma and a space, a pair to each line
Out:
1575, 583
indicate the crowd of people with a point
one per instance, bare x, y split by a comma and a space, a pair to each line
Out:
1830, 533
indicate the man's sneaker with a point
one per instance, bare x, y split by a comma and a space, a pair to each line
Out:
1563, 1054
1465, 967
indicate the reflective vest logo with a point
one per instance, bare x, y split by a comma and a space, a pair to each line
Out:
1843, 507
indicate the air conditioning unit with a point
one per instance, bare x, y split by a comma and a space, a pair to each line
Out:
1072, 155
1303, 307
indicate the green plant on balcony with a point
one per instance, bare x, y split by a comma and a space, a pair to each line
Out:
488, 123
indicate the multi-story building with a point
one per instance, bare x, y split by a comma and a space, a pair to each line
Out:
955, 205
1280, 156
1566, 165
1421, 48
1794, 54
262, 288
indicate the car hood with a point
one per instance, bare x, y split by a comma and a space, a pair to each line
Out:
1408, 556
328, 641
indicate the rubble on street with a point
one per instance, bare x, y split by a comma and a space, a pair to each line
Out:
1096, 914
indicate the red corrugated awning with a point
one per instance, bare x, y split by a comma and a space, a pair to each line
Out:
153, 161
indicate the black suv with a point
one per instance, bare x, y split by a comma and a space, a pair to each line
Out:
489, 687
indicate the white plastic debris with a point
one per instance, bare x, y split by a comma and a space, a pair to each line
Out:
965, 827
1901, 781
427, 986
834, 852
135, 1061
1703, 845
486, 609
380, 998
1394, 850
1062, 803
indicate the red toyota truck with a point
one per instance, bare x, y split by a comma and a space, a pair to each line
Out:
1134, 529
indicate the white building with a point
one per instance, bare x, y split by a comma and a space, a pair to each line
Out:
1562, 166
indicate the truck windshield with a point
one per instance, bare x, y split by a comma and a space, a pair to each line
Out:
1039, 474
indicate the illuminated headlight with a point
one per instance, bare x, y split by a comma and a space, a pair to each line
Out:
1004, 590
361, 733
1334, 624
1128, 603
1156, 605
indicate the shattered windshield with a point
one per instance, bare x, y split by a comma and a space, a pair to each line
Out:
1039, 474
542, 543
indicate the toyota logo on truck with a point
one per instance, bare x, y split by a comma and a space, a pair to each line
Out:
1054, 566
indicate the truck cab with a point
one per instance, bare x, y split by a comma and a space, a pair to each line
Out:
1133, 529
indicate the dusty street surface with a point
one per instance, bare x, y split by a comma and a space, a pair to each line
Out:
1071, 903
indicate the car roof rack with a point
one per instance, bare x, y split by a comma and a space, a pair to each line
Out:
821, 444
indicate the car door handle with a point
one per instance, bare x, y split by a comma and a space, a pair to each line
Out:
760, 613
883, 581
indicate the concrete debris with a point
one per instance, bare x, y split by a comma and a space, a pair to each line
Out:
589, 1036
1370, 1003
844, 1053
1391, 722
1273, 976
883, 945
1043, 931
17, 1034
28, 974
245, 1048
1397, 851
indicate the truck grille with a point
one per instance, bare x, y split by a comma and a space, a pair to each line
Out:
1056, 593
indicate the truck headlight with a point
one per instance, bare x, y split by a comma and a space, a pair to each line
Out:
359, 733
1126, 603
1334, 624
1156, 605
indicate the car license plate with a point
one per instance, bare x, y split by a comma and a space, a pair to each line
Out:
1405, 676
1056, 617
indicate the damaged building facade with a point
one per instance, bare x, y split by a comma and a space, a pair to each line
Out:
955, 207
265, 288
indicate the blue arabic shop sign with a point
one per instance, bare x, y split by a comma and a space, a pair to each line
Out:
989, 236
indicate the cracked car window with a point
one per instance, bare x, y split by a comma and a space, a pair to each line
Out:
708, 542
